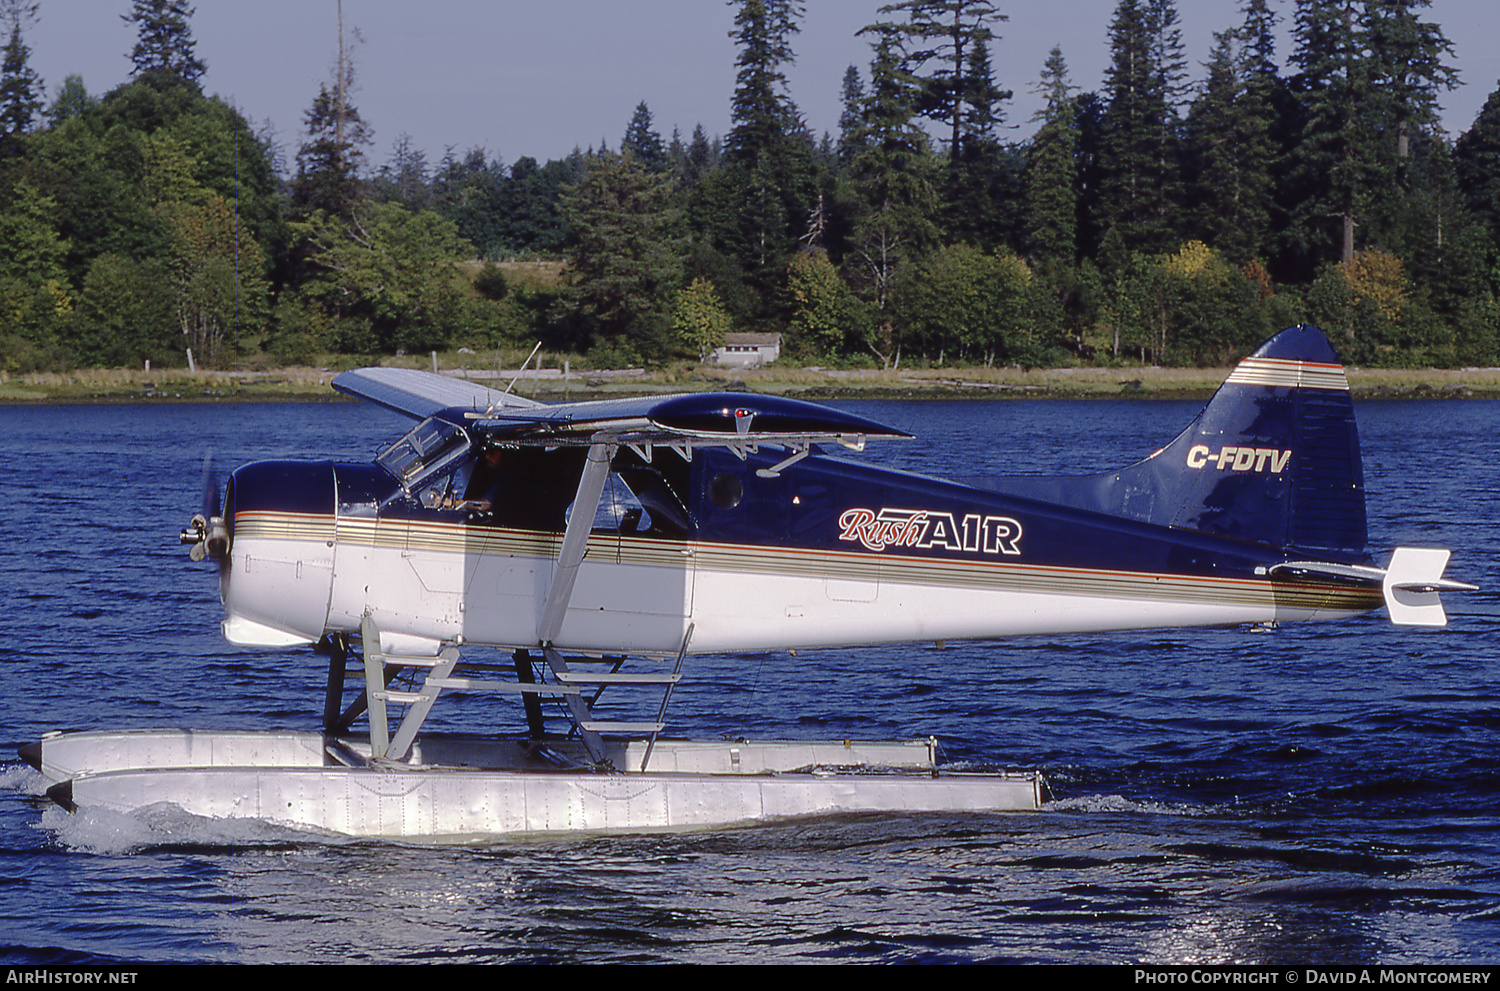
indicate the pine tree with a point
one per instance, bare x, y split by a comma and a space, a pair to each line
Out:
1477, 162
1166, 54
642, 141
1410, 56
1336, 163
403, 179
983, 187
761, 111
1091, 159
623, 264
892, 176
769, 181
1139, 162
1230, 151
1051, 169
164, 43
1443, 246
699, 159
20, 86
1400, 109
329, 162
853, 97
939, 38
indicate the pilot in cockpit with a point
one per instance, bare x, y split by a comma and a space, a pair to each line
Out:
485, 484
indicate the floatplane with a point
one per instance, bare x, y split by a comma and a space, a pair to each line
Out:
582, 534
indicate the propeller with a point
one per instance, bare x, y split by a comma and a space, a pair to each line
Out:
206, 532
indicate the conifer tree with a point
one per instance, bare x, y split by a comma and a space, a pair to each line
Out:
20, 86
853, 96
699, 158
403, 179
1443, 245
983, 186
768, 184
623, 264
1230, 153
1139, 164
329, 162
642, 141
762, 112
892, 175
164, 43
1335, 160
1477, 162
939, 40
1400, 109
1051, 169
1409, 53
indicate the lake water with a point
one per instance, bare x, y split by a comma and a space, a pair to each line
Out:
1326, 793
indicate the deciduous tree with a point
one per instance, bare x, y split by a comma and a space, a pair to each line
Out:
698, 318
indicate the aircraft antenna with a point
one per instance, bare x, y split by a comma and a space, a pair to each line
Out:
523, 367
514, 380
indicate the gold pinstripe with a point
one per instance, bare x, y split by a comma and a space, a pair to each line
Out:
741, 559
1289, 373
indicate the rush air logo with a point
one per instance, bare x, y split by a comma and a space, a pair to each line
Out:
1258, 459
925, 529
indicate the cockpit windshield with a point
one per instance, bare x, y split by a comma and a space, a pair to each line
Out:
431, 447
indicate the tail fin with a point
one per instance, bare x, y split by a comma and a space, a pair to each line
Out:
1273, 458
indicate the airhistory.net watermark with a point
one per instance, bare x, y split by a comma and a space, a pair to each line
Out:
47, 975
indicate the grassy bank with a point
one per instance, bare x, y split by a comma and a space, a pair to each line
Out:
180, 385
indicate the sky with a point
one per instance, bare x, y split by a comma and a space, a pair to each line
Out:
541, 77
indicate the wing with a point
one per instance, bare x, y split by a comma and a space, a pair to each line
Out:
420, 394
732, 419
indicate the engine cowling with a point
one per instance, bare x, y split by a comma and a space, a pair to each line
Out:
277, 573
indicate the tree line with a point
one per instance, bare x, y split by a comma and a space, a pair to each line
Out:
1163, 218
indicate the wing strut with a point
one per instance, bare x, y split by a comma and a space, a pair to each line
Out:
575, 540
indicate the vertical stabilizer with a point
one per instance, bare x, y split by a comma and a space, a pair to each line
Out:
1273, 458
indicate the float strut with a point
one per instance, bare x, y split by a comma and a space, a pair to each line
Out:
526, 676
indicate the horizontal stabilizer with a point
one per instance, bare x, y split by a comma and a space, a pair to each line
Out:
1412, 583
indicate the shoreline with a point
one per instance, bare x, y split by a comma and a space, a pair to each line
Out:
1146, 382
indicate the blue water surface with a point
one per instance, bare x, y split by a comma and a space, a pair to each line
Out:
1322, 794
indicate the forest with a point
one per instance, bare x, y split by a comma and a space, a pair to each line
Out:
1165, 219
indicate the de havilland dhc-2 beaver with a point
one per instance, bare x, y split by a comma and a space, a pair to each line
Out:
579, 534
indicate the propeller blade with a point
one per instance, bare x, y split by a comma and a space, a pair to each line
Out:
210, 497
